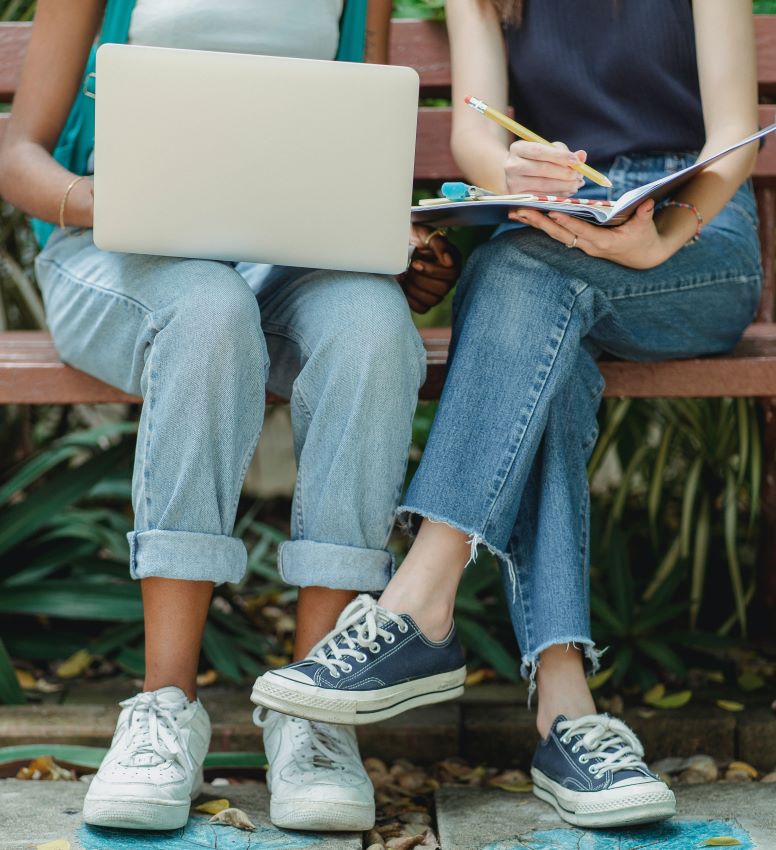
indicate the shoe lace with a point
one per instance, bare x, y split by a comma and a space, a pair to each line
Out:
358, 627
152, 726
609, 741
317, 744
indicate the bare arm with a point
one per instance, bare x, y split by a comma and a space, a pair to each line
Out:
481, 148
30, 178
378, 21
479, 68
727, 70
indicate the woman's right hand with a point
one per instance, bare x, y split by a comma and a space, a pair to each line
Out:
543, 169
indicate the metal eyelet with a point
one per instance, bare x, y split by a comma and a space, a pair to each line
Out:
335, 675
404, 628
361, 658
390, 639
348, 668
591, 770
575, 748
375, 648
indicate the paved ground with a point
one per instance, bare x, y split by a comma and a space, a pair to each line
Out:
33, 813
478, 819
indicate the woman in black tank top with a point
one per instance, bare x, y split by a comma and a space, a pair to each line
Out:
638, 89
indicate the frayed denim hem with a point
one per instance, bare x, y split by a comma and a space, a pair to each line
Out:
530, 661
406, 518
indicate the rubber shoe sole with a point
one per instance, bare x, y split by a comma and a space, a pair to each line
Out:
354, 708
329, 816
133, 813
627, 806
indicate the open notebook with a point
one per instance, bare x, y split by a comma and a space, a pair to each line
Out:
493, 209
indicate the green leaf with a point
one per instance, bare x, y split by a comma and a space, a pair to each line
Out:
614, 420
742, 419
688, 502
731, 548
480, 641
10, 692
665, 569
677, 700
113, 601
218, 648
21, 521
91, 757
664, 655
700, 558
658, 476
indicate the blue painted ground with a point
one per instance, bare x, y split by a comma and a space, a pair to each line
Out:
197, 833
676, 835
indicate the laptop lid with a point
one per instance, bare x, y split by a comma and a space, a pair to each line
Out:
254, 158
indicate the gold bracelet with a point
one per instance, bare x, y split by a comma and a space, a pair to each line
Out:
71, 185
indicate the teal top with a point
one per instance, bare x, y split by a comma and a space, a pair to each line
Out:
77, 138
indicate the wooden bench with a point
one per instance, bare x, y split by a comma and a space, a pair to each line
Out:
31, 372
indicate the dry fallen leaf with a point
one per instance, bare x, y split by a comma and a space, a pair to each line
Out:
599, 679
25, 679
45, 768
233, 817
677, 700
730, 705
744, 767
209, 677
59, 844
212, 807
722, 841
75, 665
654, 693
518, 788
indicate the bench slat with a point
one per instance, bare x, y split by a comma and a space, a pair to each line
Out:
420, 44
31, 372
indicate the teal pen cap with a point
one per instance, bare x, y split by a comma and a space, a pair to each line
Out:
458, 191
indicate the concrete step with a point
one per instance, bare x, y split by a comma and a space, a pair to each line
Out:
484, 819
34, 813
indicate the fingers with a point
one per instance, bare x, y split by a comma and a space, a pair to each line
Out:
556, 153
546, 224
442, 251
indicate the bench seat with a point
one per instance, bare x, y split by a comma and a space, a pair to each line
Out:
32, 373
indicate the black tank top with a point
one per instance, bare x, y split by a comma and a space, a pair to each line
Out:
610, 76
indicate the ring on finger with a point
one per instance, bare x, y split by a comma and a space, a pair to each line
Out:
574, 243
440, 231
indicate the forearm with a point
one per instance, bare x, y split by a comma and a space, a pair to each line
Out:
709, 191
481, 157
378, 23
34, 182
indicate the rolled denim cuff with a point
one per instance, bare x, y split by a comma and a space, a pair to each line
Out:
187, 555
306, 563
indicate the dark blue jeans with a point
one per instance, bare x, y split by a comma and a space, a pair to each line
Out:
507, 455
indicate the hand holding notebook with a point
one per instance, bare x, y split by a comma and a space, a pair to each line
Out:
486, 208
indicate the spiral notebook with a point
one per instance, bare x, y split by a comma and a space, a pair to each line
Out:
494, 209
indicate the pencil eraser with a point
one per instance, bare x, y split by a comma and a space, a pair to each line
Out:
467, 99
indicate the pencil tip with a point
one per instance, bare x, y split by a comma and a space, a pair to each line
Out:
607, 183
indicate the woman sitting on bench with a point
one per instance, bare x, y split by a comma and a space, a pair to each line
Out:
642, 88
201, 341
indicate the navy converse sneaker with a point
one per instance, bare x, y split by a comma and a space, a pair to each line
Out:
592, 771
375, 664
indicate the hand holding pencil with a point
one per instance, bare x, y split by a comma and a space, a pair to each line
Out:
563, 159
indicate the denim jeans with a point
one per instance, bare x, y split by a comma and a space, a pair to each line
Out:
506, 458
201, 347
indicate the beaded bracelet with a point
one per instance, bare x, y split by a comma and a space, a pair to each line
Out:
685, 206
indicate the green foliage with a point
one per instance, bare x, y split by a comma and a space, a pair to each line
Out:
64, 583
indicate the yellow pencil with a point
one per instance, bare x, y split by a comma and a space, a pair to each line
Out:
529, 136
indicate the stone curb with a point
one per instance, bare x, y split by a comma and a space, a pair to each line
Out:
489, 725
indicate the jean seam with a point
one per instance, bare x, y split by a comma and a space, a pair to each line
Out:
102, 290
148, 399
700, 284
537, 392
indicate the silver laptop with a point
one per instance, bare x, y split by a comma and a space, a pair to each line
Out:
237, 157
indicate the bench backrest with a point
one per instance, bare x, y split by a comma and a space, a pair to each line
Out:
423, 45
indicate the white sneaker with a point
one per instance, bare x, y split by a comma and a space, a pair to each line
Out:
153, 769
316, 779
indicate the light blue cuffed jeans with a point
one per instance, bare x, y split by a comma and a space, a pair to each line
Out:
201, 341
506, 458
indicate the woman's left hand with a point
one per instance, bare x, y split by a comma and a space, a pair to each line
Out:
435, 267
636, 244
